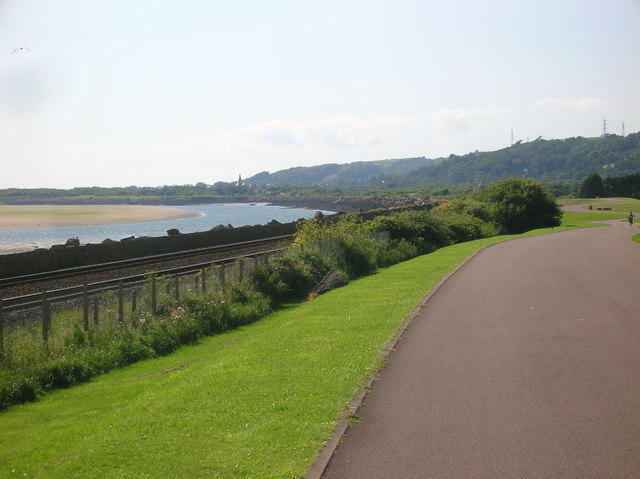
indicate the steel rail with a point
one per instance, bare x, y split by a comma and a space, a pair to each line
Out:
27, 301
68, 272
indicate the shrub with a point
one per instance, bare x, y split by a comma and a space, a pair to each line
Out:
478, 209
346, 245
521, 205
419, 228
394, 251
461, 227
291, 276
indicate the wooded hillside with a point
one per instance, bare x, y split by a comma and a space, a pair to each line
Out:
541, 160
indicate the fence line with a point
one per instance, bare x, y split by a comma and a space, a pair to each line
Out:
92, 295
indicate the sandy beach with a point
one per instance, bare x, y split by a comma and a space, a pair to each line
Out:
33, 216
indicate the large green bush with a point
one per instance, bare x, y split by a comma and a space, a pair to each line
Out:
291, 276
345, 244
520, 205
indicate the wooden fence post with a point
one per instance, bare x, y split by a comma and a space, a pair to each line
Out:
120, 302
204, 280
1, 330
221, 275
96, 310
134, 301
46, 317
177, 286
85, 306
153, 295
197, 281
240, 270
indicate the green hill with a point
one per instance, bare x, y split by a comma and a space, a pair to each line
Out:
333, 174
541, 160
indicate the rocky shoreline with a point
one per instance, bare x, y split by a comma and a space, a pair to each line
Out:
346, 204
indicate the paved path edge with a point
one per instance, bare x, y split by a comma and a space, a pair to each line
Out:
326, 453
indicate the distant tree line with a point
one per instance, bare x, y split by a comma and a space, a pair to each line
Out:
593, 185
559, 164
167, 191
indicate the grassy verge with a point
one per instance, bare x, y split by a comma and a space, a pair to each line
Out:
255, 402
623, 204
626, 205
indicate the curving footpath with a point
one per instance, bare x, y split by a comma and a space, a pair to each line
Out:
524, 364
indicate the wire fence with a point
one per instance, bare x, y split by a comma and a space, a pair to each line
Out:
122, 301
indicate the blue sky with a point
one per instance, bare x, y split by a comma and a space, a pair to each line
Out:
147, 93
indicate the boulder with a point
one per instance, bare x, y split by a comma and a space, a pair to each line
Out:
173, 232
333, 279
72, 242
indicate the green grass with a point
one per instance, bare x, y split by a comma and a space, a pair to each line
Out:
623, 205
572, 220
626, 205
257, 402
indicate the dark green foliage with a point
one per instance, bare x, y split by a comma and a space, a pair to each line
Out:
627, 186
520, 205
542, 160
592, 186
478, 209
566, 188
291, 276
353, 256
332, 175
419, 228
394, 251
346, 244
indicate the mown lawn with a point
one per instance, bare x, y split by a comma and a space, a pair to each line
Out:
621, 204
257, 402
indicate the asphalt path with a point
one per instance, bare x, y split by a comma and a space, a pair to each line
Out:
524, 364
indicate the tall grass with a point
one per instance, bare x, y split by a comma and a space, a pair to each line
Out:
31, 366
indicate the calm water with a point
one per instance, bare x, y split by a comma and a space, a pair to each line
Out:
208, 217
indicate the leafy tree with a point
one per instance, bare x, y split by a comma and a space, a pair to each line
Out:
520, 205
622, 186
592, 186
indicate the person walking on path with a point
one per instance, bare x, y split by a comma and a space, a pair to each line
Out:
630, 217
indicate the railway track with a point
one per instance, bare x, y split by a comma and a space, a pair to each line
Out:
24, 291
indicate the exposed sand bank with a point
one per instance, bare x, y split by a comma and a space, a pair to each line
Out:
33, 216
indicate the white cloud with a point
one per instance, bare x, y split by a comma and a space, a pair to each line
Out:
575, 104
342, 131
460, 118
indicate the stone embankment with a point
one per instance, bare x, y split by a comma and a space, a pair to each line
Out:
347, 204
73, 254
